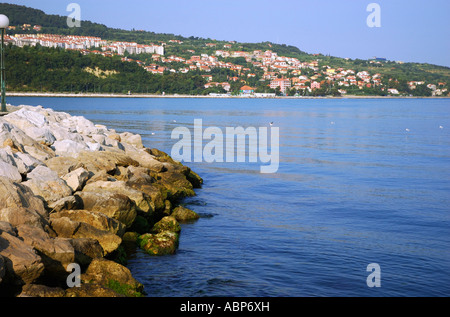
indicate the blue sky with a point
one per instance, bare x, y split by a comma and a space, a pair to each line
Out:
411, 30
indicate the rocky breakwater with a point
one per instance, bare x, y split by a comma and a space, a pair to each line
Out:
72, 193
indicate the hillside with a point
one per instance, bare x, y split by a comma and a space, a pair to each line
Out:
227, 65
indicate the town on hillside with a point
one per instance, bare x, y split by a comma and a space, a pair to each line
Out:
257, 73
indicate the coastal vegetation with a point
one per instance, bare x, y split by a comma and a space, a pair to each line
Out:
40, 69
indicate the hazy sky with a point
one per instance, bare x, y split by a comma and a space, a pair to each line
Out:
411, 30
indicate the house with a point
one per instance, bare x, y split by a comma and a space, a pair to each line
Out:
226, 86
247, 90
211, 84
393, 91
208, 78
431, 86
315, 85
283, 83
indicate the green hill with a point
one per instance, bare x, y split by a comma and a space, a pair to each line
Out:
64, 70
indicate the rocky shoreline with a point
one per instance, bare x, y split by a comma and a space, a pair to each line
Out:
73, 195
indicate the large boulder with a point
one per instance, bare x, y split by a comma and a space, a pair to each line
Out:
67, 228
66, 203
76, 179
86, 249
22, 264
112, 275
17, 195
146, 160
142, 201
56, 253
63, 165
104, 161
33, 123
132, 139
163, 243
47, 184
7, 227
22, 163
19, 141
25, 162
167, 224
183, 214
139, 178
176, 184
95, 219
25, 118
69, 148
17, 216
100, 176
113, 205
10, 171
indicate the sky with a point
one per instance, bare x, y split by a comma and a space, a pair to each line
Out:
410, 30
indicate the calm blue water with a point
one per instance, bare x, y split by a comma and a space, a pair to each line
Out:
353, 188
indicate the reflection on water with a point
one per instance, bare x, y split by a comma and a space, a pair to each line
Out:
353, 188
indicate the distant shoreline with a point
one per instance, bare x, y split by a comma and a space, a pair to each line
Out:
100, 95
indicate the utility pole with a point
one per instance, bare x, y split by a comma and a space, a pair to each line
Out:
4, 23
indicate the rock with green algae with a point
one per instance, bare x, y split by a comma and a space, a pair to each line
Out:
167, 224
176, 184
163, 243
114, 276
92, 290
195, 179
183, 214
130, 236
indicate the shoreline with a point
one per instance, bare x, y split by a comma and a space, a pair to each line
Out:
115, 95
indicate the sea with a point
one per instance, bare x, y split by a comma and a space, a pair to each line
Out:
358, 207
